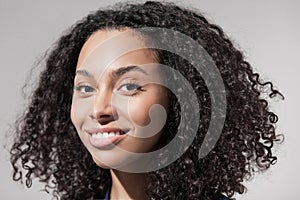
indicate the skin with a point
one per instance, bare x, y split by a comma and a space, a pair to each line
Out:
103, 99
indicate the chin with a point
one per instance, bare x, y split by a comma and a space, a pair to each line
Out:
100, 164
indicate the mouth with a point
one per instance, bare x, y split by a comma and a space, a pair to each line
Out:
104, 137
100, 135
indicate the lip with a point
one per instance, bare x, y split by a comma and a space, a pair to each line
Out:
104, 142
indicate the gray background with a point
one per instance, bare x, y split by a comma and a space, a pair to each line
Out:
268, 31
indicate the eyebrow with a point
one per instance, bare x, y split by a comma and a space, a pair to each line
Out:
116, 73
124, 70
84, 73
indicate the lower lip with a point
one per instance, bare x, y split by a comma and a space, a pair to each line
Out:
103, 142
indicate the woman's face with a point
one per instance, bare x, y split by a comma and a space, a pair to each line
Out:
113, 96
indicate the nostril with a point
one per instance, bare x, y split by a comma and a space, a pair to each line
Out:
105, 116
104, 119
104, 113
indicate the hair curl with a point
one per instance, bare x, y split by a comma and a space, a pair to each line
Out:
47, 146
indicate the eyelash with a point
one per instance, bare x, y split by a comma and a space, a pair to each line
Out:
80, 87
137, 88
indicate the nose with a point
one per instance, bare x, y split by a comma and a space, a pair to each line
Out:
103, 110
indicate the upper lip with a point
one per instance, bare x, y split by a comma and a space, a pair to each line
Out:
104, 129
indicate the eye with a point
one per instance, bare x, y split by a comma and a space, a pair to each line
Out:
130, 88
84, 89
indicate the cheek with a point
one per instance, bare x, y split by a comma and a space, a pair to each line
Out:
139, 111
79, 112
139, 107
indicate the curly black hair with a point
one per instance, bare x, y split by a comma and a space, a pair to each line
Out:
47, 146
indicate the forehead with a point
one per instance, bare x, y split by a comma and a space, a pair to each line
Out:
121, 46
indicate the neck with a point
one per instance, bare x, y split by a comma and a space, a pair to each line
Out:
127, 185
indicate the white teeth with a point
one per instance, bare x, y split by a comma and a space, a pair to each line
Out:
97, 136
111, 134
105, 135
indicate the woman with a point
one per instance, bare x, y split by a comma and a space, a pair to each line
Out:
91, 112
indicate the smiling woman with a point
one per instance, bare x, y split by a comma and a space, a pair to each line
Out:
110, 100
103, 105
